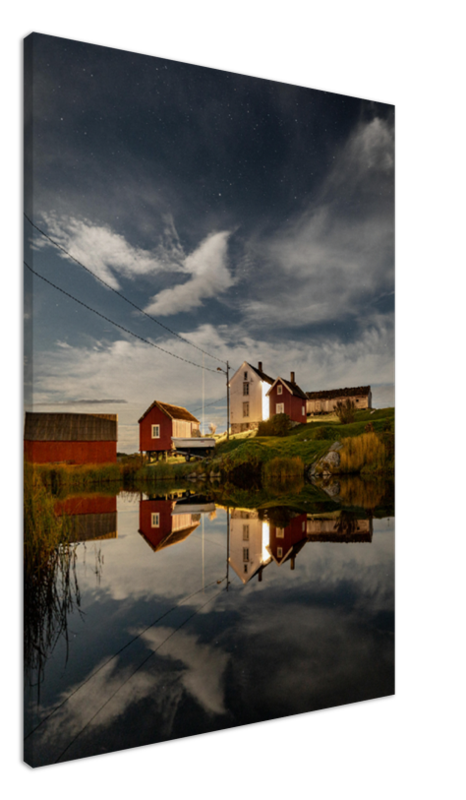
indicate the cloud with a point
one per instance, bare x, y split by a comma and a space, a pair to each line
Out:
332, 260
107, 253
210, 276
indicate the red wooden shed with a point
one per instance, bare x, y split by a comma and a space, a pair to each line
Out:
70, 438
285, 397
160, 422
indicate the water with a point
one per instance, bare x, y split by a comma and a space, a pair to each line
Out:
191, 615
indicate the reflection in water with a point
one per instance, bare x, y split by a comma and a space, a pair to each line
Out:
163, 651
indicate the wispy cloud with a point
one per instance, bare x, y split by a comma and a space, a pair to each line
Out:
108, 253
329, 261
210, 276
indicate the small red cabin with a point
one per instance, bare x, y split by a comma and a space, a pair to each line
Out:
285, 397
70, 438
161, 527
285, 543
160, 422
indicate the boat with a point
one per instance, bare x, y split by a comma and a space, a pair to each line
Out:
195, 447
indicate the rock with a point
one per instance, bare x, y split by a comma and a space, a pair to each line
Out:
336, 446
332, 459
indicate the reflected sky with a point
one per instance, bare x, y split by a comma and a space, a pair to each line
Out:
165, 648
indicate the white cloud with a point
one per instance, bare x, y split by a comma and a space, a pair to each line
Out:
210, 276
329, 261
107, 253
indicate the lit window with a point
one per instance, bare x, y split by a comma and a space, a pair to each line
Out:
280, 408
245, 553
156, 431
245, 533
155, 520
245, 388
279, 552
280, 389
245, 409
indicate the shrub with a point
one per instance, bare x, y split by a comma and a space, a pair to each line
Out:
364, 451
323, 432
278, 425
344, 410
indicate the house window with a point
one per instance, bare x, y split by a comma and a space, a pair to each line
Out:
303, 410
357, 400
245, 376
245, 553
304, 526
280, 389
280, 408
156, 431
280, 533
245, 388
279, 552
155, 520
245, 533
245, 409
245, 567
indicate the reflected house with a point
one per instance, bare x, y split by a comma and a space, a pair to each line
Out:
70, 438
249, 537
92, 517
161, 525
285, 543
324, 402
343, 527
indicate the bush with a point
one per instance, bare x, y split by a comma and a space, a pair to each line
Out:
323, 432
362, 452
279, 425
344, 410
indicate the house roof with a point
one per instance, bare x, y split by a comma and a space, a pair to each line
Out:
170, 538
262, 375
359, 391
292, 387
46, 427
173, 412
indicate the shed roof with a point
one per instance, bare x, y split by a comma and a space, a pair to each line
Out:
48, 427
173, 412
358, 391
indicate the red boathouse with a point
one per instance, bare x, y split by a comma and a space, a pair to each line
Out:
70, 438
160, 422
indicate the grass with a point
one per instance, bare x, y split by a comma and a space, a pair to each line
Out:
50, 587
308, 441
363, 453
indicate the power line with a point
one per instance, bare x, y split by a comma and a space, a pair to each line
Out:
107, 319
126, 299
209, 404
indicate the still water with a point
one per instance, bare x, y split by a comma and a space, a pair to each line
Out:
187, 615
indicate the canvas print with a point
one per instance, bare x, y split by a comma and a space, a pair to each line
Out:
208, 400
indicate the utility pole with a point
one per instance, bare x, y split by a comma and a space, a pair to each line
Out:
227, 373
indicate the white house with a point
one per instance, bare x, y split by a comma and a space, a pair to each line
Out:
249, 538
249, 403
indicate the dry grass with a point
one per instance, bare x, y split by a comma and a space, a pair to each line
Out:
282, 472
364, 452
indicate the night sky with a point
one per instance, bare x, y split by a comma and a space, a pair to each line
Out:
254, 218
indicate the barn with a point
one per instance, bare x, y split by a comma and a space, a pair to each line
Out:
70, 438
159, 423
285, 397
324, 402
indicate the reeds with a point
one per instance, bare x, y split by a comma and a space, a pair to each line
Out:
283, 472
50, 586
364, 453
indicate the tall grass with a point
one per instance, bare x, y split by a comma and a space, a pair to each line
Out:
50, 586
364, 453
283, 472
64, 477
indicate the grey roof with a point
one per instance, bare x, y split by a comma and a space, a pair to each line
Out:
45, 427
262, 375
357, 391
